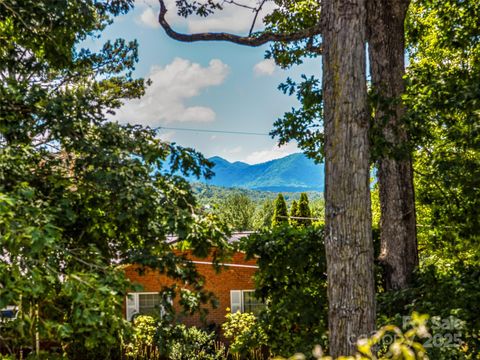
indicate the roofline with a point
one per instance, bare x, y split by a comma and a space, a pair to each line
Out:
175, 239
226, 264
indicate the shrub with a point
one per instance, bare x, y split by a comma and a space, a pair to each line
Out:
143, 344
406, 345
246, 335
450, 294
158, 339
291, 279
179, 342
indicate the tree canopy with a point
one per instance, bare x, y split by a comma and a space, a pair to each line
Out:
81, 195
291, 279
443, 94
237, 211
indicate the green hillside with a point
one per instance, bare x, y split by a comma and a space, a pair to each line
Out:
211, 194
293, 173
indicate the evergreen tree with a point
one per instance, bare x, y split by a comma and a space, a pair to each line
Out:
264, 215
280, 214
304, 211
294, 213
237, 210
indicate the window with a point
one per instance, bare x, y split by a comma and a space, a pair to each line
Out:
8, 313
245, 301
143, 303
251, 303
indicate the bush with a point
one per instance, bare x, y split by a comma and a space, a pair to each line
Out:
246, 335
179, 342
405, 346
143, 344
451, 295
157, 339
291, 279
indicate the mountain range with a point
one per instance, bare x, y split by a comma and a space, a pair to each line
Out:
292, 173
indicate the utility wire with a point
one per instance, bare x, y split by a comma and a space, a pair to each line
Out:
299, 217
211, 131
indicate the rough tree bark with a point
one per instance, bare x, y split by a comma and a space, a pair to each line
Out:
348, 239
386, 39
348, 235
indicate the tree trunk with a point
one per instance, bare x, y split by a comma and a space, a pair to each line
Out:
348, 236
386, 35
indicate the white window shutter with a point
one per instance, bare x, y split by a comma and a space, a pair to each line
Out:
235, 301
132, 305
162, 308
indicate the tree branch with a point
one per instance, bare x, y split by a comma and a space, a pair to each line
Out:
257, 11
253, 41
316, 49
241, 5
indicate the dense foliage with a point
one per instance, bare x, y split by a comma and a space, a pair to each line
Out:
294, 213
443, 95
79, 195
245, 334
450, 295
291, 279
179, 342
280, 212
142, 344
208, 195
244, 209
406, 344
156, 339
304, 213
264, 215
237, 210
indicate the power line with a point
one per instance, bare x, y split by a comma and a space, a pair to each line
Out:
299, 217
212, 131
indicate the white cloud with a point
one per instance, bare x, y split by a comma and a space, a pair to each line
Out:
146, 2
149, 13
235, 150
165, 99
264, 68
232, 18
149, 18
275, 152
166, 135
231, 154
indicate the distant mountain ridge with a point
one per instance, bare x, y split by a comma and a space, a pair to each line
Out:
292, 173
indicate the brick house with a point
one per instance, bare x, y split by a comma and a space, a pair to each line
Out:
233, 286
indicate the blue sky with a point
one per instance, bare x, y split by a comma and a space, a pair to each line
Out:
208, 85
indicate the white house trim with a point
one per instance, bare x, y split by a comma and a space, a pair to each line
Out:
133, 302
224, 264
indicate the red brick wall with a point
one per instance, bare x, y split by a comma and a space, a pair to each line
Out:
229, 278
